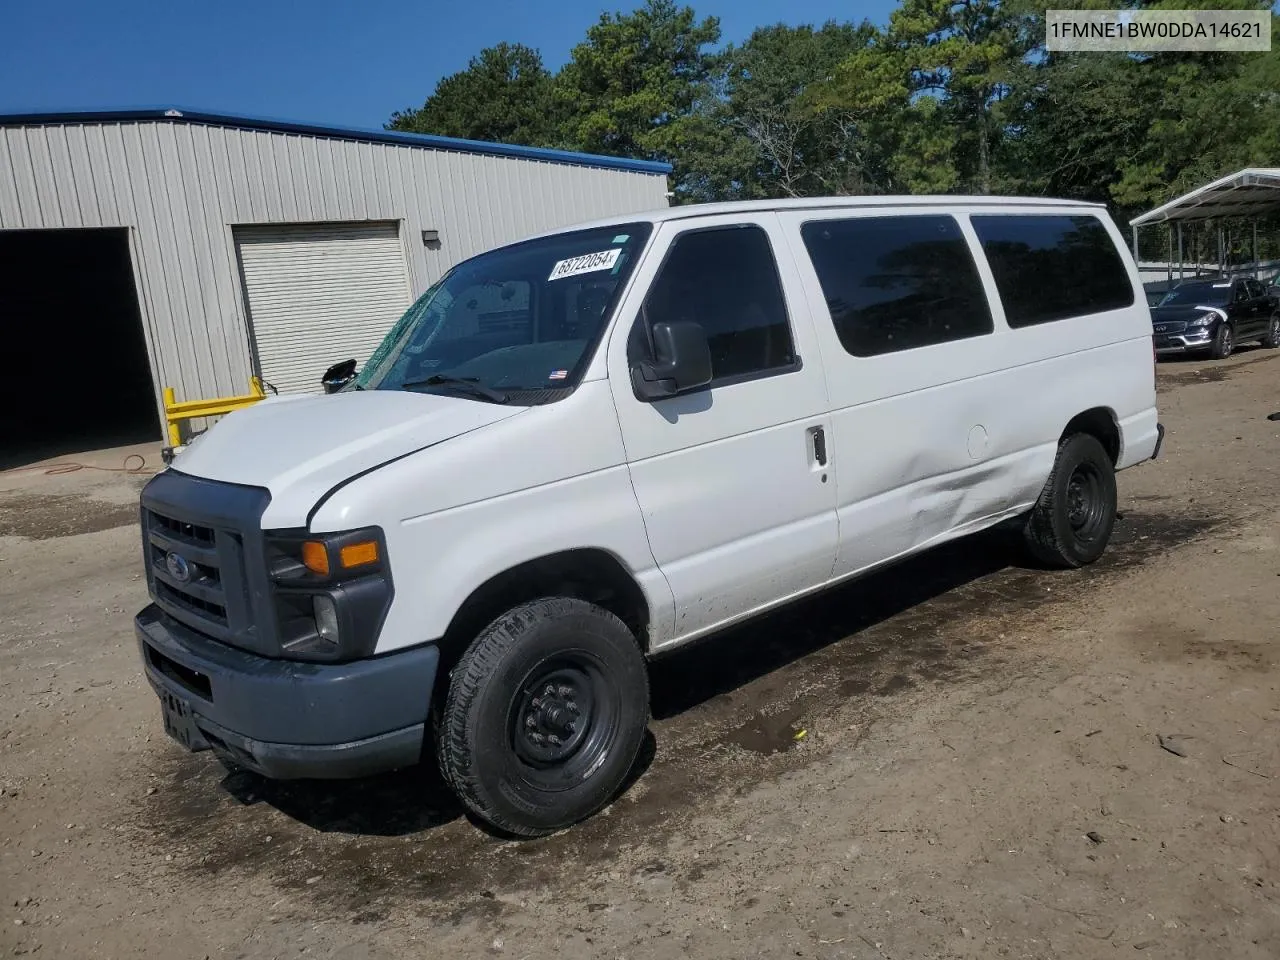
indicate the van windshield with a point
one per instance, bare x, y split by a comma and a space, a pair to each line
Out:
522, 319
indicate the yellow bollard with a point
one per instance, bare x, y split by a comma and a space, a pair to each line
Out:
171, 401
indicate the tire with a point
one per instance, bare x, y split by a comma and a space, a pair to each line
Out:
1071, 523
545, 715
1224, 342
1271, 339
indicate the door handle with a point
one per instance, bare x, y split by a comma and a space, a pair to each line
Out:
819, 445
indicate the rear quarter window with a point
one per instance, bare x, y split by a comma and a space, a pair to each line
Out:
1052, 267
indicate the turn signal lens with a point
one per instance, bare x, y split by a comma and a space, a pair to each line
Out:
315, 557
359, 554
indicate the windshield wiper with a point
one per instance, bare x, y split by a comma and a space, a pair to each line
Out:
470, 385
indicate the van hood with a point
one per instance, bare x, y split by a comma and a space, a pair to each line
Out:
300, 448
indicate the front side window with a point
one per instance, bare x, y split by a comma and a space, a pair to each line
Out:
1051, 267
897, 283
518, 323
726, 280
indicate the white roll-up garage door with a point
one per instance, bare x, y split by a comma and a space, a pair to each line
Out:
320, 293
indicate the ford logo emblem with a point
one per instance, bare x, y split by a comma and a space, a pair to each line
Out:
178, 567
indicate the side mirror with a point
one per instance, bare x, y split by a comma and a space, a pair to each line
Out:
682, 364
338, 376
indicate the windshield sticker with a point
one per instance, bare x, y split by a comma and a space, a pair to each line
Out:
557, 374
622, 238
588, 263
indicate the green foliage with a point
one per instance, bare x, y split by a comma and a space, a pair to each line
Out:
796, 142
503, 96
950, 96
639, 85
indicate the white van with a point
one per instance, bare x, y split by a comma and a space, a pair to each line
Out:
585, 448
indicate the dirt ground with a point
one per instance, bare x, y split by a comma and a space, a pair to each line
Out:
981, 772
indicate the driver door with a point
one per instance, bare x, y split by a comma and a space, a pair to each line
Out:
734, 481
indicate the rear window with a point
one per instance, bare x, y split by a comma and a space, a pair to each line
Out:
1050, 268
897, 283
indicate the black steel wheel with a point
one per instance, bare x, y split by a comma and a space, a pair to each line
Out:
545, 715
1072, 521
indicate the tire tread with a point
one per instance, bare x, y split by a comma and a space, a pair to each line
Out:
1039, 533
455, 745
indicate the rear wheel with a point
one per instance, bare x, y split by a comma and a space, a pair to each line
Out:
545, 715
1272, 338
1224, 342
1071, 523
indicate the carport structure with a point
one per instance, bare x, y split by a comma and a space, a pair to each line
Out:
1241, 200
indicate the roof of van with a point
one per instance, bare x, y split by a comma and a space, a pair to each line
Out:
690, 210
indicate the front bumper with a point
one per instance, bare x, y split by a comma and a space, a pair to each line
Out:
1190, 341
287, 719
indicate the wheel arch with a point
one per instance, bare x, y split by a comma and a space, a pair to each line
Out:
588, 573
1100, 423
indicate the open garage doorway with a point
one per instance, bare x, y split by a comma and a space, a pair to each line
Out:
76, 375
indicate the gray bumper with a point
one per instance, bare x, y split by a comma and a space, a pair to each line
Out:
285, 719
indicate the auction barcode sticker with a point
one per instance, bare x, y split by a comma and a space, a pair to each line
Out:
587, 263
1157, 31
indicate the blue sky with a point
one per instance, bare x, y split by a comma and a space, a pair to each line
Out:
325, 61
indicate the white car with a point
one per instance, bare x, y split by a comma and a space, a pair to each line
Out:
587, 447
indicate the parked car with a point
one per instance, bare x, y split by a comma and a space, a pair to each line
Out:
596, 445
1214, 316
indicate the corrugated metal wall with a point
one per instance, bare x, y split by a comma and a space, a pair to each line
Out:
182, 186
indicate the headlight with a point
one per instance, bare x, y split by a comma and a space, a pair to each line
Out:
330, 591
1203, 321
326, 613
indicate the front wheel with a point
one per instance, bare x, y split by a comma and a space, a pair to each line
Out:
1224, 342
1071, 523
545, 715
1272, 338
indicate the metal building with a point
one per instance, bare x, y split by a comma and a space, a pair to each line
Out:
159, 248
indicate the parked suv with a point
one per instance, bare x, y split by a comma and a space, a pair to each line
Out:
583, 449
1214, 315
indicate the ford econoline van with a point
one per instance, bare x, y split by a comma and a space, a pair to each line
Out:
587, 447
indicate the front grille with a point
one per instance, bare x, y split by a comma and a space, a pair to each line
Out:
205, 557
186, 567
213, 611
1171, 326
192, 533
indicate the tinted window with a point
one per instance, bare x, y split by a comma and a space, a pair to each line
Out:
895, 283
1192, 293
727, 281
1053, 267
1255, 289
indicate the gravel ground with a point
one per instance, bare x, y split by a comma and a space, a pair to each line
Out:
981, 771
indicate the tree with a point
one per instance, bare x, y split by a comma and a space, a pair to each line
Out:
503, 96
797, 144
1134, 130
961, 52
641, 85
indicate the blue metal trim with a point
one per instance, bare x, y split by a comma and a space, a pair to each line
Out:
181, 114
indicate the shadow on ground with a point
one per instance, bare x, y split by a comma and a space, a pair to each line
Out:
722, 710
